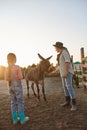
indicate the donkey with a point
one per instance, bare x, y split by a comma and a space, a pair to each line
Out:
36, 75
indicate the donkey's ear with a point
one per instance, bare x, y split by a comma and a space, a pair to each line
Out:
40, 57
49, 58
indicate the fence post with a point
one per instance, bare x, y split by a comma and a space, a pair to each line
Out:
84, 68
82, 53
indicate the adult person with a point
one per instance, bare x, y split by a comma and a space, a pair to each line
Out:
66, 72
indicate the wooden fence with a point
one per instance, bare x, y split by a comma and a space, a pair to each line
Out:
84, 68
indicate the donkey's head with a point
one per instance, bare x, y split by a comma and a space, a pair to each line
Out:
44, 63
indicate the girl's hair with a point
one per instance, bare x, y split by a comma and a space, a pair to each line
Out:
11, 57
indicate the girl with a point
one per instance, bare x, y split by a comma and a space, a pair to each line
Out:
14, 76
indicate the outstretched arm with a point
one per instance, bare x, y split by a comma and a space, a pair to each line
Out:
54, 71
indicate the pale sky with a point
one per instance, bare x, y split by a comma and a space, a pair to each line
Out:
28, 27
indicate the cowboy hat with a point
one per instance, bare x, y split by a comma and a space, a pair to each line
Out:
58, 44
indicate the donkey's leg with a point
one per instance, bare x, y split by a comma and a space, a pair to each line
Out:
38, 90
32, 86
43, 91
27, 82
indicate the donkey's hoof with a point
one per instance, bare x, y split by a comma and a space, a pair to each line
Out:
35, 94
28, 95
45, 99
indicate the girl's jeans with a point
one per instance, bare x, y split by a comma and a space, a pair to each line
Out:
16, 94
68, 87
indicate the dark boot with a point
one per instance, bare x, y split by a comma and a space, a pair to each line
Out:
67, 103
74, 108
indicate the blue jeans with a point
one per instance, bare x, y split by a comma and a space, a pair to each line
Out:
16, 95
68, 87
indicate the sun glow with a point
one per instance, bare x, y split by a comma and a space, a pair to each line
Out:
29, 27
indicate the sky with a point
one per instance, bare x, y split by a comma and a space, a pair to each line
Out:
29, 27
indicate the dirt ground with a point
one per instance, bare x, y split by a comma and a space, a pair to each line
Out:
45, 115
